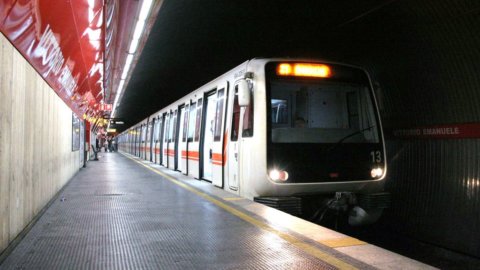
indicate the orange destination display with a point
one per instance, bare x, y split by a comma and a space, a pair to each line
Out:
304, 70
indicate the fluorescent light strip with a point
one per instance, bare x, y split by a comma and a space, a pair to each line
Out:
146, 5
128, 62
133, 46
139, 27
126, 67
117, 97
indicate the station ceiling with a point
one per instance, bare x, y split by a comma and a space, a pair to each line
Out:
193, 42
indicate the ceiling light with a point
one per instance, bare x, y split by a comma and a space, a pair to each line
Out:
126, 68
146, 5
133, 46
138, 29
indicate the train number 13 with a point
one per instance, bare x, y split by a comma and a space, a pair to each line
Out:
376, 156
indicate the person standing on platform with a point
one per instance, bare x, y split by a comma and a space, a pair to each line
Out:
109, 140
97, 145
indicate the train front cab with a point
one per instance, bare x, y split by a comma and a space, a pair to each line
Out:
324, 137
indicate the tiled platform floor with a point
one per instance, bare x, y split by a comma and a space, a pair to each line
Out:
118, 214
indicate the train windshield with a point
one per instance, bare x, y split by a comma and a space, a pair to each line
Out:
321, 112
324, 128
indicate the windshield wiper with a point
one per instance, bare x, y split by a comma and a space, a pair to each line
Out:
348, 136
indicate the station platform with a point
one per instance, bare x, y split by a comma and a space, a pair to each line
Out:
125, 213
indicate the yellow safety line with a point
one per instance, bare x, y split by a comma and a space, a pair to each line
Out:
343, 242
312, 250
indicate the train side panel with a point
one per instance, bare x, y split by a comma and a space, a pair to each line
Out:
209, 136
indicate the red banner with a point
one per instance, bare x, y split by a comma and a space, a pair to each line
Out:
451, 131
64, 41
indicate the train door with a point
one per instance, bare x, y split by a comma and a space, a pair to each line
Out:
151, 142
218, 152
137, 141
233, 145
144, 140
143, 147
126, 140
194, 120
147, 142
171, 140
165, 140
183, 141
130, 141
130, 144
133, 141
178, 142
156, 140
160, 138
207, 137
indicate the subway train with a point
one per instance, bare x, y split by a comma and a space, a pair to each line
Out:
277, 131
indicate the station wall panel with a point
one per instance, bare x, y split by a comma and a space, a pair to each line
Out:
424, 61
36, 157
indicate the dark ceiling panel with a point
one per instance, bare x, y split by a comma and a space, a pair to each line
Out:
401, 42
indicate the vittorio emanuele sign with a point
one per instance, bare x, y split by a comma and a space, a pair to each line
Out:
53, 58
468, 130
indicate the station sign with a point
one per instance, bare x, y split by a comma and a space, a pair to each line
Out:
117, 122
450, 131
106, 107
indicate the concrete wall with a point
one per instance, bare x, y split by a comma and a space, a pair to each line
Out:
36, 158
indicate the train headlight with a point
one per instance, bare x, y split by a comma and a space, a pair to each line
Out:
278, 176
376, 172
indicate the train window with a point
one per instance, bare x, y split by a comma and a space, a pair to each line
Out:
137, 137
167, 131
144, 133
321, 112
247, 130
235, 117
198, 120
173, 123
157, 130
176, 118
161, 128
185, 124
152, 130
217, 134
191, 121
149, 132
353, 112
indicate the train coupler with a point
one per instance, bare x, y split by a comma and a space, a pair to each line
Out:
368, 208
